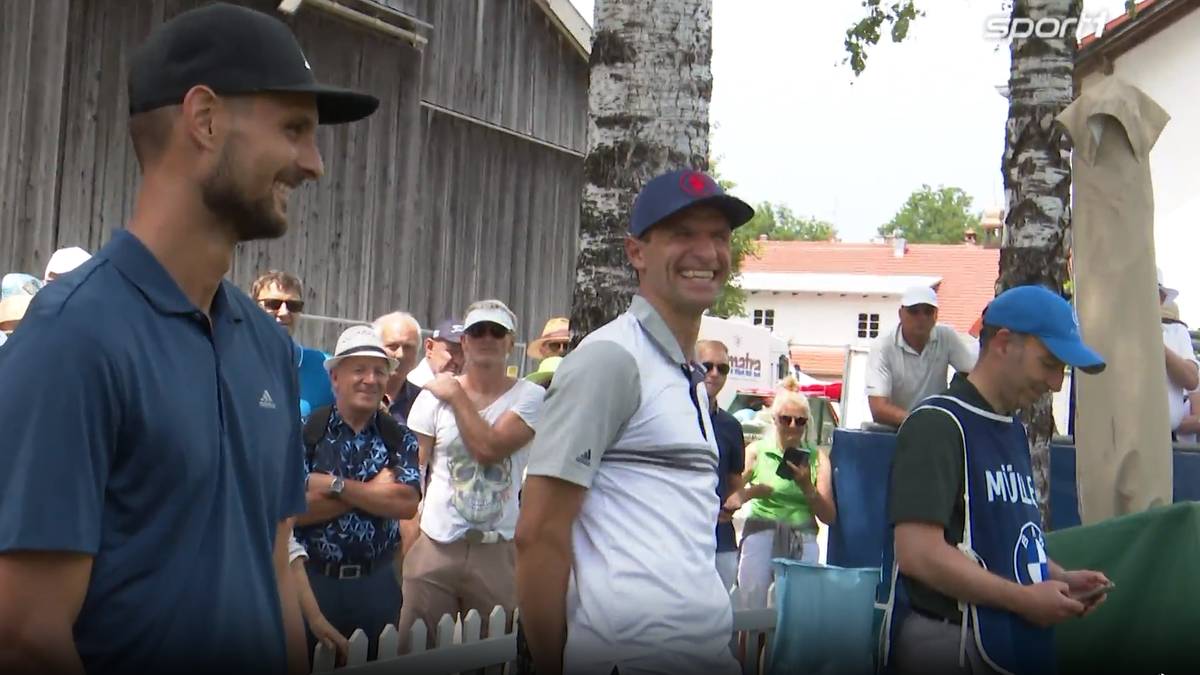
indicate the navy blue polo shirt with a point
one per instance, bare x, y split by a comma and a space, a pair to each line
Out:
167, 450
731, 448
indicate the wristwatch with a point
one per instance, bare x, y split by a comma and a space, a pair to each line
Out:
336, 487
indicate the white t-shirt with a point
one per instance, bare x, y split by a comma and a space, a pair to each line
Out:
1178, 340
462, 494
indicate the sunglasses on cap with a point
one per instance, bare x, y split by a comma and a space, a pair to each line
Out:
273, 304
722, 368
494, 330
789, 421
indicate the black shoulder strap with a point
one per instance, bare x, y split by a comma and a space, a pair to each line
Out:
314, 428
391, 432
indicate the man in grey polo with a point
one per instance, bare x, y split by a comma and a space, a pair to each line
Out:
616, 561
911, 362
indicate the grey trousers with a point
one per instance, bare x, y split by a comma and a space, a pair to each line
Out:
926, 646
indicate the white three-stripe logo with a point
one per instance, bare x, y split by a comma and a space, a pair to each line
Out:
266, 401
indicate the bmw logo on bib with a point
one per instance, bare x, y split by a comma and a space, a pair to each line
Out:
1030, 564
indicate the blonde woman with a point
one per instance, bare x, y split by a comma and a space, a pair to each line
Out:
781, 522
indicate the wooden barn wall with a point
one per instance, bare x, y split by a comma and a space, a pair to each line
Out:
417, 210
504, 61
347, 228
501, 219
33, 54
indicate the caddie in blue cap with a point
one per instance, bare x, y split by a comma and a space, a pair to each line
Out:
962, 482
627, 425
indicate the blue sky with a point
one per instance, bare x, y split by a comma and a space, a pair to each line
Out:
794, 126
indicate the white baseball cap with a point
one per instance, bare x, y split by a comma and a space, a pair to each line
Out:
919, 295
64, 260
494, 312
1171, 293
359, 341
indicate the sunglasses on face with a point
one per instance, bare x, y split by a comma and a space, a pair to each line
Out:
556, 347
273, 304
789, 421
494, 330
722, 368
919, 310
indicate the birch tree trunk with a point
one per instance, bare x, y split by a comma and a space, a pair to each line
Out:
1037, 186
647, 114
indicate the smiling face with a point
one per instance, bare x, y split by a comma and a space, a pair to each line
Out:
683, 262
269, 149
358, 382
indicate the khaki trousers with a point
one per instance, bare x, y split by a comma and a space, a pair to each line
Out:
453, 579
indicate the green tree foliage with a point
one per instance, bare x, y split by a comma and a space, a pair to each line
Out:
732, 301
933, 216
866, 33
780, 224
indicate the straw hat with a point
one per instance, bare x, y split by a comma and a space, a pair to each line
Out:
12, 310
557, 329
359, 341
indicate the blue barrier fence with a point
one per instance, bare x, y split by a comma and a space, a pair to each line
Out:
862, 463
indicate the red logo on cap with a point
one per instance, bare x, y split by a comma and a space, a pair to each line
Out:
696, 184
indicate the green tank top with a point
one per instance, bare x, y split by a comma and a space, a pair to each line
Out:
787, 504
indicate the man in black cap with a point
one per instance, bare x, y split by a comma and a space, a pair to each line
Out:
149, 488
626, 424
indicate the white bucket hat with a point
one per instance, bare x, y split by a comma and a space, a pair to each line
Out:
64, 260
1171, 293
359, 341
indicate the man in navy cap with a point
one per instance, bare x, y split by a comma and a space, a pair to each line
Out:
443, 354
962, 483
626, 424
152, 449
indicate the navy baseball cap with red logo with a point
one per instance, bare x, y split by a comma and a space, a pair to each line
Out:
670, 193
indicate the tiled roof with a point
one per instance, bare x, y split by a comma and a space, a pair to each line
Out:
1116, 23
828, 364
968, 272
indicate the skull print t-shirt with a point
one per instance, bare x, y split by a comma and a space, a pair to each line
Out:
463, 494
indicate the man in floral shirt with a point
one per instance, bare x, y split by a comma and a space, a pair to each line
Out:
362, 478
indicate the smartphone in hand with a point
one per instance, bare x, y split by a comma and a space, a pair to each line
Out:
1088, 597
797, 456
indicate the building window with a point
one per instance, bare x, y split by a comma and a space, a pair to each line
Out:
868, 325
764, 317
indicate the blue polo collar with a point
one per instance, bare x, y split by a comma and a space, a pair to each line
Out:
138, 265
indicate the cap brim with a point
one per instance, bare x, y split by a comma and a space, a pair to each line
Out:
1169, 292
736, 211
1075, 354
539, 377
336, 105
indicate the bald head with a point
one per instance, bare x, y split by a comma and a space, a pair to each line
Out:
401, 335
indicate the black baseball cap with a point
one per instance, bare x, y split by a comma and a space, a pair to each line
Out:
674, 191
232, 50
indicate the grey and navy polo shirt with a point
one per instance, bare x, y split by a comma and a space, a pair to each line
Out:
627, 417
164, 446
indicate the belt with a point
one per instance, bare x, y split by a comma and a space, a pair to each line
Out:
344, 571
934, 617
481, 537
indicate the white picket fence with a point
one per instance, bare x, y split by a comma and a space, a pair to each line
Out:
459, 647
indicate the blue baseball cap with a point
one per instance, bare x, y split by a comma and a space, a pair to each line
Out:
670, 193
1038, 311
